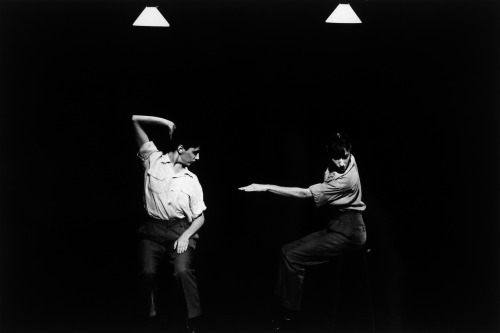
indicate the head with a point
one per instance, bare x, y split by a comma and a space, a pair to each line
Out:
338, 148
188, 156
186, 142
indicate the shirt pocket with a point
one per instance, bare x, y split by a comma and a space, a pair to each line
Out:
156, 181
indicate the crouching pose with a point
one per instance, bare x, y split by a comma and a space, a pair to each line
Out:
340, 195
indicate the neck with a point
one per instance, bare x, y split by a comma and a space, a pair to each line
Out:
178, 167
174, 158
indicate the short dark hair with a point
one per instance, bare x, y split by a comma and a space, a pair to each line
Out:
187, 136
337, 143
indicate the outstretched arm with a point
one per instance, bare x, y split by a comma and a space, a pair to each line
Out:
295, 192
140, 134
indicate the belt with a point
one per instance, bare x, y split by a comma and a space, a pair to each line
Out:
166, 222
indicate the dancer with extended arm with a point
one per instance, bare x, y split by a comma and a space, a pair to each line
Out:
340, 195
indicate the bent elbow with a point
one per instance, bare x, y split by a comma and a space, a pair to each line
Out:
306, 193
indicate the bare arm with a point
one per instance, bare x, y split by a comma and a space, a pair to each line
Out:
295, 192
182, 243
140, 134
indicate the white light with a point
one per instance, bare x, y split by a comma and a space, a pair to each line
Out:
151, 17
343, 14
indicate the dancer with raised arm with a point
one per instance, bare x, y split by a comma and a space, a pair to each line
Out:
173, 199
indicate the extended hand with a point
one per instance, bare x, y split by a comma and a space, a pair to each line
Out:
254, 188
181, 244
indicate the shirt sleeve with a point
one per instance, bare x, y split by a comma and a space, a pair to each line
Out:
335, 192
197, 205
146, 150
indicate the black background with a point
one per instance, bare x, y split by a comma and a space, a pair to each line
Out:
416, 85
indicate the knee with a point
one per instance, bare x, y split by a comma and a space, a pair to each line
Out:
147, 269
182, 267
182, 271
287, 253
147, 279
284, 251
147, 275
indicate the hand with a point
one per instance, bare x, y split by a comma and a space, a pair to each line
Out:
254, 188
171, 130
181, 244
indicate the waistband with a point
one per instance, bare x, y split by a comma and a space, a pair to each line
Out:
348, 212
166, 222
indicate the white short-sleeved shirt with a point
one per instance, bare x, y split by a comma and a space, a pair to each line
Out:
342, 191
168, 195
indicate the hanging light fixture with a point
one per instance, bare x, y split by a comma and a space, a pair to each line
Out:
151, 17
343, 14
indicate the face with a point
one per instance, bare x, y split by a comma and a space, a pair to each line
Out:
188, 156
341, 162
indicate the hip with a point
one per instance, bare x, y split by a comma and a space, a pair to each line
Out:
350, 224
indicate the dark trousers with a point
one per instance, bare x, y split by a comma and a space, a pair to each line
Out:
155, 246
344, 233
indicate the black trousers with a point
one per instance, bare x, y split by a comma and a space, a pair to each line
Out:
156, 244
344, 233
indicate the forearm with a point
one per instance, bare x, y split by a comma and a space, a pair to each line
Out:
195, 226
151, 120
295, 192
140, 134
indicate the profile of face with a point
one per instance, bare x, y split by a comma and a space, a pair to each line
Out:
341, 161
188, 156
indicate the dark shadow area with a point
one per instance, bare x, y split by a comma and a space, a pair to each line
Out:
416, 85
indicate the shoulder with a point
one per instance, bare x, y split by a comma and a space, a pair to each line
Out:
147, 149
352, 175
191, 185
192, 177
353, 160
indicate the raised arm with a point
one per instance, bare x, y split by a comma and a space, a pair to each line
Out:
295, 192
140, 134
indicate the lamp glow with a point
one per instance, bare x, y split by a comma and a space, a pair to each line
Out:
343, 14
151, 17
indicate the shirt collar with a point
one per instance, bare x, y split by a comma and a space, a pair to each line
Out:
183, 173
165, 159
351, 164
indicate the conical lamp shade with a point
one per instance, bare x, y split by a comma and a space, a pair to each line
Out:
151, 17
343, 14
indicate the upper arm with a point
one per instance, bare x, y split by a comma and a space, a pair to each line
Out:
328, 192
196, 201
140, 135
200, 219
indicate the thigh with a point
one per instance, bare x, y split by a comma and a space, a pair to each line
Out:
318, 247
181, 261
304, 240
150, 253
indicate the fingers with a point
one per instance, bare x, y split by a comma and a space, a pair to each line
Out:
181, 246
181, 249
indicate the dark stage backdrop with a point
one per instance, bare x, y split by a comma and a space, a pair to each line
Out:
416, 85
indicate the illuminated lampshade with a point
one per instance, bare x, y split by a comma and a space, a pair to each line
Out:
151, 17
343, 14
